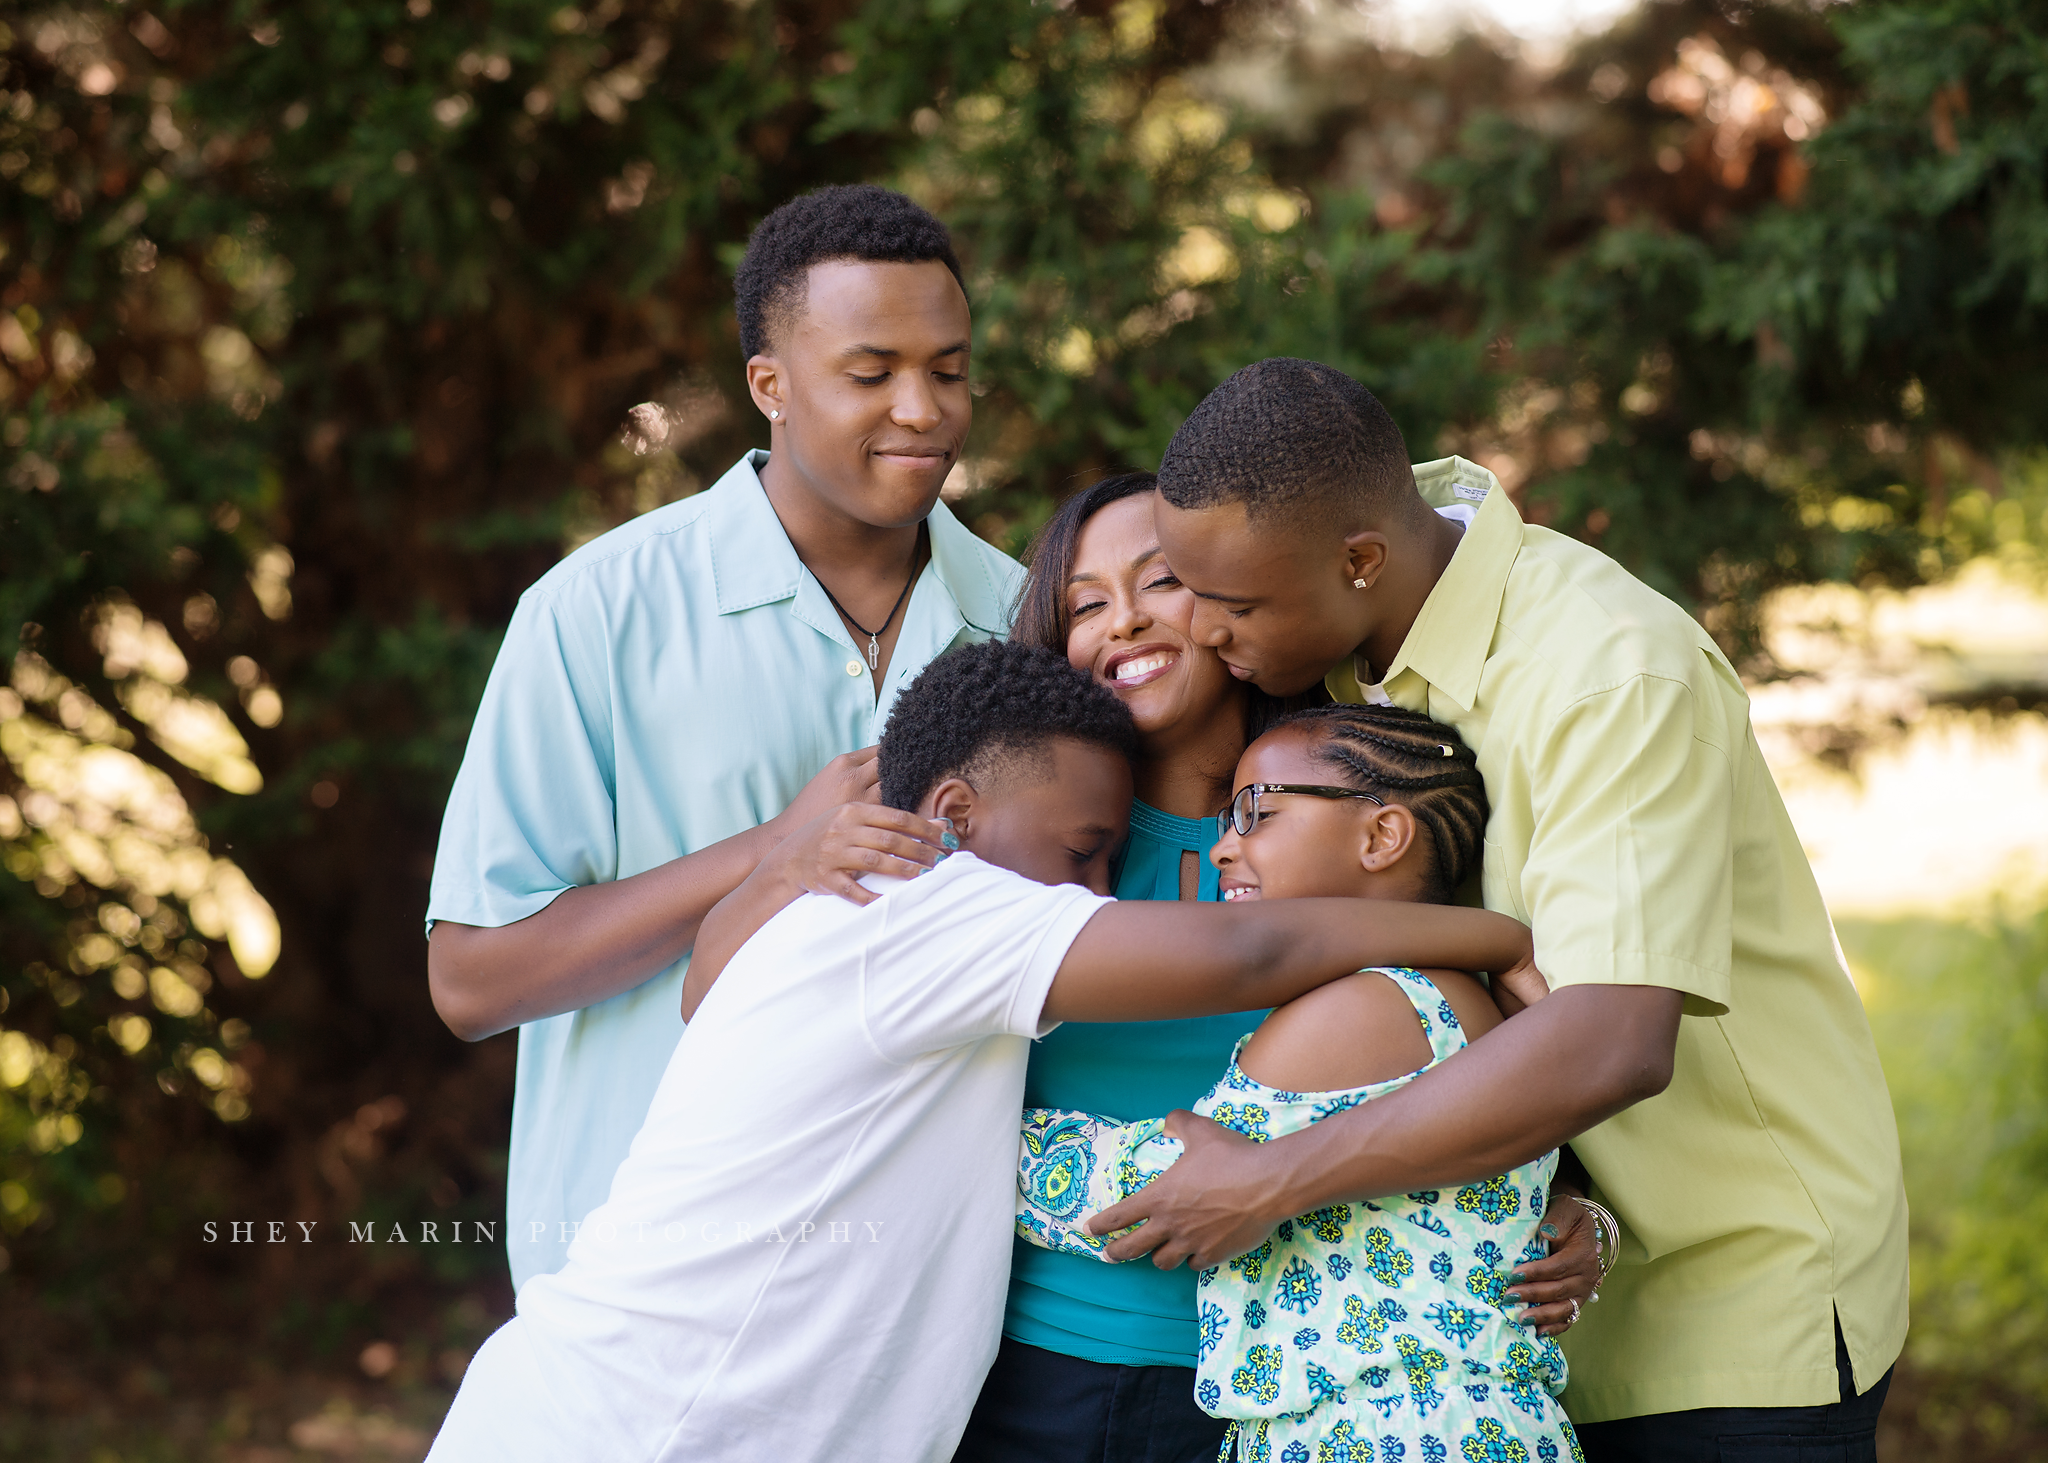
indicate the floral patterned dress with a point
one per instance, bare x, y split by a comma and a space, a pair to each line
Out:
1375, 1332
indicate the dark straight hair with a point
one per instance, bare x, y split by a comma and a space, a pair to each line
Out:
1042, 617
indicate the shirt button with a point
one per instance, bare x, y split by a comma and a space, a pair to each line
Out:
853, 667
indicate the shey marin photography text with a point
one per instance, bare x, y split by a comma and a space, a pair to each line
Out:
429, 1231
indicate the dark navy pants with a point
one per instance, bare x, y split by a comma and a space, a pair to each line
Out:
1041, 1407
1038, 1406
1834, 1432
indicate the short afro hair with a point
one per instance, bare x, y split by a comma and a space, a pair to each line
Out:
1295, 441
848, 221
980, 706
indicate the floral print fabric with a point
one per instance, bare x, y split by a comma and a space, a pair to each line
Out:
1375, 1332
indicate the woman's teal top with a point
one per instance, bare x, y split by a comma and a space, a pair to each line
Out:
1135, 1314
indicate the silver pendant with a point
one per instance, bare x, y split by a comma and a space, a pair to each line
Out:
874, 652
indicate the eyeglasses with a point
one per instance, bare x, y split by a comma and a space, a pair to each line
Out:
1244, 812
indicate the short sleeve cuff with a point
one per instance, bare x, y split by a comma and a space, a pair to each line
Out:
1705, 987
490, 910
1064, 926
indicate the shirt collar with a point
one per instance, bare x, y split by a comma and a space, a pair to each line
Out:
754, 563
966, 567
752, 560
1448, 643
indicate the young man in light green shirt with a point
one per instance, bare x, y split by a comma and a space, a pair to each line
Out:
666, 696
1703, 1049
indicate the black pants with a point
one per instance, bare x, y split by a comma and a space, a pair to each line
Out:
1040, 1407
1834, 1432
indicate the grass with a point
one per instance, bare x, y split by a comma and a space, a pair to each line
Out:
1960, 1012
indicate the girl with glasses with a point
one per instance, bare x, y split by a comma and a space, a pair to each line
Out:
1420, 1327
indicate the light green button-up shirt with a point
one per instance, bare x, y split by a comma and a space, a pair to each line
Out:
1637, 830
668, 685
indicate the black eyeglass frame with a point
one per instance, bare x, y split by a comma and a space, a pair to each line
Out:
1247, 797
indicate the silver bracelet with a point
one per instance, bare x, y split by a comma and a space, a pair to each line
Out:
1606, 1237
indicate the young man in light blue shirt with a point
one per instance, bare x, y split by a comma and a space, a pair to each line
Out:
680, 695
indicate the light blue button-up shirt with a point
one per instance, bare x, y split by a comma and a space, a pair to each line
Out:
668, 685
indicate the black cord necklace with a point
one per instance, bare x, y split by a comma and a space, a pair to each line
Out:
875, 635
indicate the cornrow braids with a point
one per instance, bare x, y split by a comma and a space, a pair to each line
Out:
1424, 764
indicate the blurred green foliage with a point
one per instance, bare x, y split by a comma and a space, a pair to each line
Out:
1960, 1011
325, 328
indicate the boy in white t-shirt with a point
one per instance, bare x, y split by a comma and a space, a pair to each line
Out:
804, 1254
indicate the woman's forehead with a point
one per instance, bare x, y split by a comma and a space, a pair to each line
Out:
1116, 537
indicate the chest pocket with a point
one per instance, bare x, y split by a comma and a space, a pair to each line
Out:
1500, 881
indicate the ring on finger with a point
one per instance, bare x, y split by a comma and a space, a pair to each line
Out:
1575, 1312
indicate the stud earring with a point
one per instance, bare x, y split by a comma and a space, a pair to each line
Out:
1358, 584
774, 416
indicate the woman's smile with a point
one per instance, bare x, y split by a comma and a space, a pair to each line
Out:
1139, 666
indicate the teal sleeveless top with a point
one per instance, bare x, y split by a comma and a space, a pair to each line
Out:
1135, 1314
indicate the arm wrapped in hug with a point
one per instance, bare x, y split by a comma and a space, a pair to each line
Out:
1070, 1164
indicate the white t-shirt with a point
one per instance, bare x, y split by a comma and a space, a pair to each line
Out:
805, 1253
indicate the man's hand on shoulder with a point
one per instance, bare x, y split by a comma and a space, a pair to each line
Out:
828, 855
596, 940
